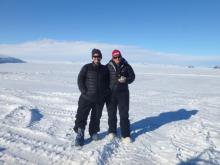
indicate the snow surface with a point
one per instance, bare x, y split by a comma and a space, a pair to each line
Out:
174, 114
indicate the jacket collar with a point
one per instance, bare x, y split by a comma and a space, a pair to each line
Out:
121, 65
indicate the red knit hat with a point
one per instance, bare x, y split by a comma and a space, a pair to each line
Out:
116, 53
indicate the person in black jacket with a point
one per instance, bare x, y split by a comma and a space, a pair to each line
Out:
93, 83
121, 74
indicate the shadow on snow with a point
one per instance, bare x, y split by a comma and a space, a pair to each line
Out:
2, 149
200, 160
151, 123
36, 116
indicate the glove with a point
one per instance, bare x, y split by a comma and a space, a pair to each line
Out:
122, 79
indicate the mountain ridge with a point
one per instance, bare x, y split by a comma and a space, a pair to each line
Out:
9, 59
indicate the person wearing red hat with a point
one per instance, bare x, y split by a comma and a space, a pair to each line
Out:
120, 75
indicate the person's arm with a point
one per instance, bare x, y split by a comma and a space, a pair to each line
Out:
131, 75
81, 79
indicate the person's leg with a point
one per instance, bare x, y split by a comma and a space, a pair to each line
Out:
111, 105
96, 113
123, 106
83, 110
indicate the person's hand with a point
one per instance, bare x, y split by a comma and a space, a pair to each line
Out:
122, 79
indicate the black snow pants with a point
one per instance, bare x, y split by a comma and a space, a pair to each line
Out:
119, 100
84, 108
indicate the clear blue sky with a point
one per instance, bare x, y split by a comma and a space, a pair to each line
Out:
176, 26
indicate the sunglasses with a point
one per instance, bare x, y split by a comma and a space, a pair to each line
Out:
118, 57
96, 57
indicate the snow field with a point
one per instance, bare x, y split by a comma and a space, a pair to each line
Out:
174, 115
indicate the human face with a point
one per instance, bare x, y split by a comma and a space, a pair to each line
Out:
117, 59
96, 58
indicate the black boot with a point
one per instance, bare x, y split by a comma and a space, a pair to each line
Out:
79, 141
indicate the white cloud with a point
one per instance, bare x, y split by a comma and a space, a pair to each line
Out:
54, 50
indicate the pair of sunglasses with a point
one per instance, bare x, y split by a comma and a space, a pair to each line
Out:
96, 57
118, 57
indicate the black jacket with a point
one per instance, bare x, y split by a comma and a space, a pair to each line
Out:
116, 71
93, 82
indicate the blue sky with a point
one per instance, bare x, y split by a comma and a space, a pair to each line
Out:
185, 27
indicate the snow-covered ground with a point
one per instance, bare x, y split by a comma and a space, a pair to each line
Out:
174, 114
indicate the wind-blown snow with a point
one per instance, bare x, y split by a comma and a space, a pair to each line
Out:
174, 114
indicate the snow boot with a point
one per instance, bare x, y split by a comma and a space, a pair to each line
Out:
79, 141
127, 140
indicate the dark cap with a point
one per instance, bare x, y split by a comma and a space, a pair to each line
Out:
96, 51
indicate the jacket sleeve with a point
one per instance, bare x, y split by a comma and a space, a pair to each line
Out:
131, 75
81, 79
108, 80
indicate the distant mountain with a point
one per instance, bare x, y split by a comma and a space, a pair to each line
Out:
217, 67
7, 59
